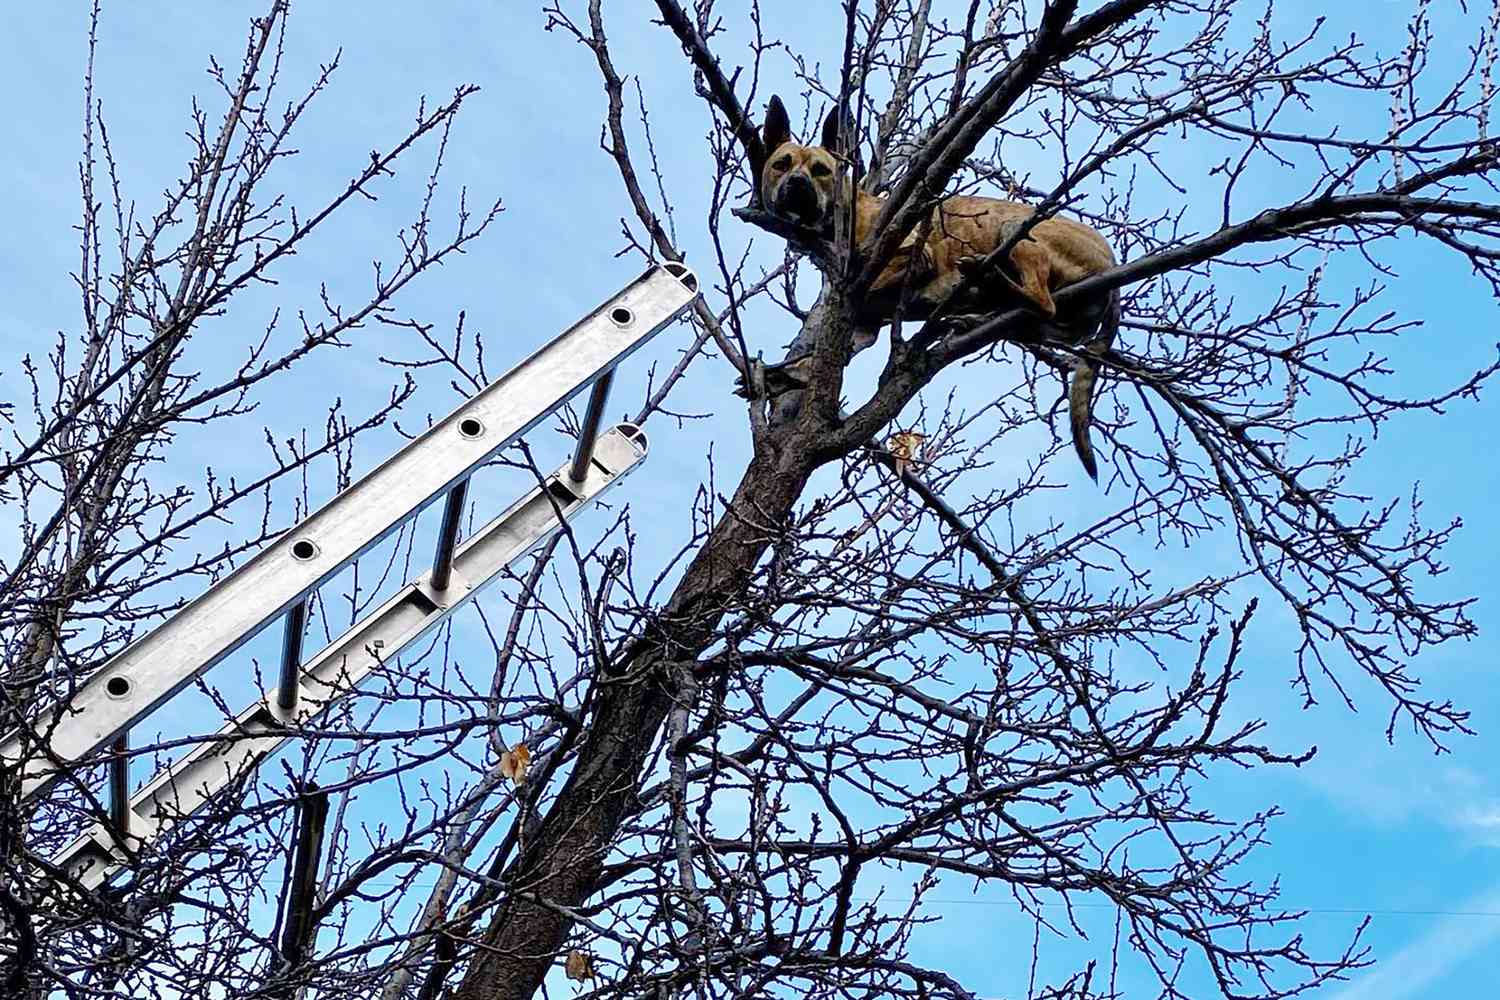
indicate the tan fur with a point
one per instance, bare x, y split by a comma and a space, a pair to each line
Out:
805, 184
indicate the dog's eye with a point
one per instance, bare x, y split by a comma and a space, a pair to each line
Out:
782, 164
821, 170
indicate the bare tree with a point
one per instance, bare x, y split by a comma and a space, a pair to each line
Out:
942, 687
95, 556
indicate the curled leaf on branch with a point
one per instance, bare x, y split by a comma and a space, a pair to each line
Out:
905, 447
514, 763
579, 966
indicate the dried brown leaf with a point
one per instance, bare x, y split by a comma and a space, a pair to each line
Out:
579, 966
905, 447
514, 763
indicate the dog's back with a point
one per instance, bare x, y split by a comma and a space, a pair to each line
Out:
970, 226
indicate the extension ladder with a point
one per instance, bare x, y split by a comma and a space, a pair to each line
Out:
279, 581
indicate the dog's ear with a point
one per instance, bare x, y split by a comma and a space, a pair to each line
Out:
833, 132
778, 127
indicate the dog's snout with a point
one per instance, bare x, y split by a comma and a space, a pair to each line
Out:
799, 181
799, 199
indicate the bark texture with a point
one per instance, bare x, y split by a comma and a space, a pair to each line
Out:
558, 870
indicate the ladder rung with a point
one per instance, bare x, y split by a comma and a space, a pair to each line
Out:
297, 927
119, 785
589, 429
291, 655
181, 788
453, 512
166, 660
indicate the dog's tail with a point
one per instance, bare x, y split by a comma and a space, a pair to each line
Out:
1086, 380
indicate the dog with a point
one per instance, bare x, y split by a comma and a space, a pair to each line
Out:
806, 185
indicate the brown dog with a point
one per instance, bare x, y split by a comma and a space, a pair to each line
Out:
804, 184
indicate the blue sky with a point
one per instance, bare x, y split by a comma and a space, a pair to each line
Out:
1412, 838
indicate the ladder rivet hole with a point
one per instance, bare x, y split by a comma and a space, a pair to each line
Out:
117, 687
304, 549
620, 316
471, 427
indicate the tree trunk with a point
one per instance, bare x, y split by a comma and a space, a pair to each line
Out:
563, 860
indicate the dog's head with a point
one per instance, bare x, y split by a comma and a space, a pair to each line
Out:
797, 182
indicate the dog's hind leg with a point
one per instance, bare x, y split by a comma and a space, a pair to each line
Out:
1031, 279
1034, 267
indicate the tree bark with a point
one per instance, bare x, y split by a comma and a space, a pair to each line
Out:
562, 863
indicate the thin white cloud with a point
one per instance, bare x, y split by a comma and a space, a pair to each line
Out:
1482, 820
1422, 962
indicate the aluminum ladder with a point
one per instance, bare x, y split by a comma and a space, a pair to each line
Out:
279, 580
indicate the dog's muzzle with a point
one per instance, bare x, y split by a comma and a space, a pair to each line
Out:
798, 200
